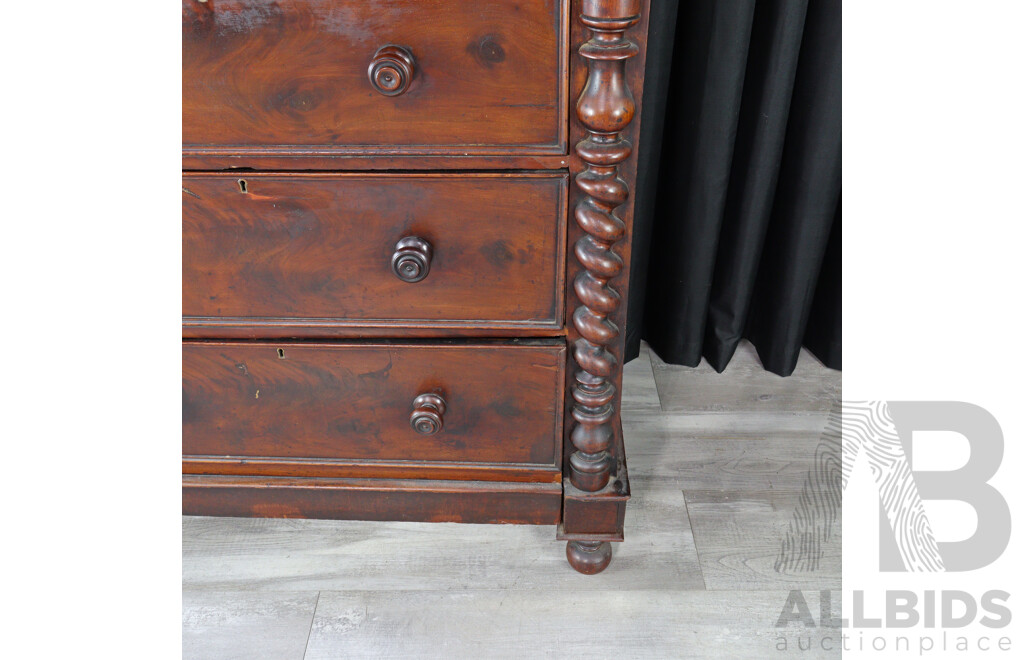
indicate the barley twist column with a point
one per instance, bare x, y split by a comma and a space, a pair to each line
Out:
605, 108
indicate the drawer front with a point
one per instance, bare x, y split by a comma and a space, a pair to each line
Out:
328, 250
499, 403
473, 76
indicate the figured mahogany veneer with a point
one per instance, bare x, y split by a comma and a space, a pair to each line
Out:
406, 250
264, 77
314, 254
355, 401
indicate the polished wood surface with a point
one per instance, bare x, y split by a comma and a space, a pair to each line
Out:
373, 499
301, 160
354, 401
714, 496
366, 469
264, 77
596, 488
605, 108
370, 192
248, 328
627, 170
318, 250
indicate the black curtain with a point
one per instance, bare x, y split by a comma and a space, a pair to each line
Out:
737, 229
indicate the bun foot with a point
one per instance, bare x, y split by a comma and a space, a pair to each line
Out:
589, 557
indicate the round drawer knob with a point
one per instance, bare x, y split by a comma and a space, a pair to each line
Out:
411, 260
391, 70
428, 414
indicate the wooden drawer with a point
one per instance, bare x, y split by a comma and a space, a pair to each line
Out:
485, 76
314, 255
502, 402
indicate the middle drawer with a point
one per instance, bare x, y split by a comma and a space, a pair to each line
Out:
330, 254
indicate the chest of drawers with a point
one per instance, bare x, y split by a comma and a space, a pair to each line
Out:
405, 251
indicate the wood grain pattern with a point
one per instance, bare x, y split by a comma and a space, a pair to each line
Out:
226, 625
605, 107
316, 250
393, 557
363, 469
741, 533
597, 517
626, 623
759, 451
373, 499
353, 401
441, 585
264, 77
282, 252
604, 110
369, 163
627, 170
812, 388
289, 328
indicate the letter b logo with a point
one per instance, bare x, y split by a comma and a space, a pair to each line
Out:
904, 525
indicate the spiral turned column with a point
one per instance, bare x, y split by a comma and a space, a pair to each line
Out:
605, 108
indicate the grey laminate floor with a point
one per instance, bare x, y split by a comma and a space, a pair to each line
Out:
716, 465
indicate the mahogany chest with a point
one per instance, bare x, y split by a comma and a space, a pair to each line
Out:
405, 254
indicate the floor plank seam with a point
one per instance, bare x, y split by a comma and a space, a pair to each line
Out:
740, 474
650, 366
305, 649
693, 533
657, 387
727, 413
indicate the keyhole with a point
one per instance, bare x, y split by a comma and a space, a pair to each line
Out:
243, 187
280, 353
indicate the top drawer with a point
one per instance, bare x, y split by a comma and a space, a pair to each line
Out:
267, 77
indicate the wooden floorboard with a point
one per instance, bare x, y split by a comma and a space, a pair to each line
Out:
298, 555
639, 391
716, 463
724, 452
470, 623
739, 537
245, 625
745, 386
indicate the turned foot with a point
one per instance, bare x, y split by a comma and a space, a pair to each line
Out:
589, 557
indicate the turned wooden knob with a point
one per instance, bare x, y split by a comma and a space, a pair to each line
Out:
391, 70
428, 414
411, 260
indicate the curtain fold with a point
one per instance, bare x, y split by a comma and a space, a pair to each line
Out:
737, 231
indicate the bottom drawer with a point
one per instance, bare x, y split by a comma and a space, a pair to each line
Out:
385, 410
